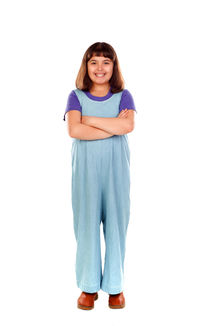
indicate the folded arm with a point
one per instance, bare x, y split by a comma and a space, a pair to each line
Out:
78, 130
114, 126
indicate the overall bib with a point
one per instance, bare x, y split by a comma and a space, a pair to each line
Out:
100, 193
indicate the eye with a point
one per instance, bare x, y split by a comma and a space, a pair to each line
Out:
93, 63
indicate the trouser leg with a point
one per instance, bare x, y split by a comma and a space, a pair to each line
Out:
86, 203
116, 213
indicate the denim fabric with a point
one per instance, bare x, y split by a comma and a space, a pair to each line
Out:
100, 194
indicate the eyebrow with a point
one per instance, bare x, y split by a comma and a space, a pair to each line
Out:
102, 60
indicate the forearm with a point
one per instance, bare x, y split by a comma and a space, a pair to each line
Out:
84, 132
114, 126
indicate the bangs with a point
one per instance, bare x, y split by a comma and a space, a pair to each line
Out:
100, 50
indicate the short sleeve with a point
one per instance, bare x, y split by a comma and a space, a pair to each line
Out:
127, 101
72, 103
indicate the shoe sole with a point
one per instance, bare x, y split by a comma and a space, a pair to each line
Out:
87, 307
117, 307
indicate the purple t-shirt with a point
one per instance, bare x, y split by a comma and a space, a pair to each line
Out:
74, 104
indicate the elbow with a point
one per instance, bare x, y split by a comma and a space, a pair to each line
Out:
73, 131
71, 135
128, 127
125, 130
131, 127
70, 130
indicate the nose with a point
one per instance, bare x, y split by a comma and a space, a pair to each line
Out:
99, 66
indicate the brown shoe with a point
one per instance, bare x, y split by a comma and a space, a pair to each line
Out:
86, 300
116, 301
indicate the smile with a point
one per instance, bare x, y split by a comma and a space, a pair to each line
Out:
100, 75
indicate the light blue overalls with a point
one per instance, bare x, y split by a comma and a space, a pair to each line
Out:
100, 193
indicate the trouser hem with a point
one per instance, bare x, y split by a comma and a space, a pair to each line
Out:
111, 290
88, 288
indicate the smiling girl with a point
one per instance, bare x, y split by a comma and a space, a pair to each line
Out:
100, 113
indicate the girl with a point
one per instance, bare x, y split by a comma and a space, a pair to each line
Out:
100, 113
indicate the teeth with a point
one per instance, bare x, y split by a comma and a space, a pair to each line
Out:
99, 75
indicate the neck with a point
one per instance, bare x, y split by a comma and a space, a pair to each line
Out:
100, 89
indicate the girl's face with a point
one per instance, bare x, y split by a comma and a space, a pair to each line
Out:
100, 69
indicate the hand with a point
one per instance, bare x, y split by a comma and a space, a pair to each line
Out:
123, 114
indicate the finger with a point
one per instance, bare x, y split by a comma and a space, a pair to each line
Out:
123, 111
123, 115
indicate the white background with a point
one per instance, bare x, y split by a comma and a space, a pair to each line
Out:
42, 45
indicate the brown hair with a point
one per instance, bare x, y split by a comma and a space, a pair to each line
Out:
83, 80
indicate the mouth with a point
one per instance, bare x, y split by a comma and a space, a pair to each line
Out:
99, 75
